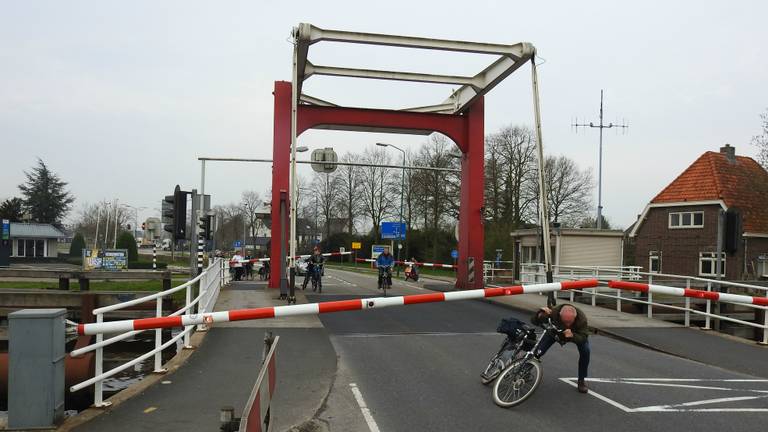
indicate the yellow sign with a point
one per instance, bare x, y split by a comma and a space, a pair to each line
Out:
357, 245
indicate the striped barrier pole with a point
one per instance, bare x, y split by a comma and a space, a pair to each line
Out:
421, 264
688, 292
324, 307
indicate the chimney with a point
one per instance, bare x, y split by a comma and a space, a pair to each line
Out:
729, 152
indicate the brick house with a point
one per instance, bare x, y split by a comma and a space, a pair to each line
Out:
677, 231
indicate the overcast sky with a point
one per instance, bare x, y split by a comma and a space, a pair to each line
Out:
120, 98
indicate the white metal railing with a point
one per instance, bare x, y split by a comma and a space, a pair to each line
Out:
491, 270
209, 283
534, 273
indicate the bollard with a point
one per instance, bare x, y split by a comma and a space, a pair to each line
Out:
36, 368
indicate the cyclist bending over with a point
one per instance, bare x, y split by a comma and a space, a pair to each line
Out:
574, 324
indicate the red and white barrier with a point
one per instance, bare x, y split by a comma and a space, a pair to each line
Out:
325, 307
257, 407
254, 260
688, 292
440, 265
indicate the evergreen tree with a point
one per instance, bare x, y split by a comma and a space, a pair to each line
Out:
12, 209
77, 246
127, 241
45, 196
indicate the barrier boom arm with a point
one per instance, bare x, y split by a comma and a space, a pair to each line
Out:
688, 292
318, 308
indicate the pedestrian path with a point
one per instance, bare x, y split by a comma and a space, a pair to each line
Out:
223, 369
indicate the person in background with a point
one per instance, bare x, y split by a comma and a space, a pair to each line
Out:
237, 263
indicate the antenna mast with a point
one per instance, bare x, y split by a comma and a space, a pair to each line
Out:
600, 126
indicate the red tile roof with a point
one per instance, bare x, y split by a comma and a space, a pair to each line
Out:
742, 184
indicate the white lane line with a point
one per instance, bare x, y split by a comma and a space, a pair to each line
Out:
681, 407
673, 407
624, 408
364, 408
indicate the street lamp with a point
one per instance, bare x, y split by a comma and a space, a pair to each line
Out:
402, 191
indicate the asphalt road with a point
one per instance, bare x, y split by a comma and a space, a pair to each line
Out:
415, 368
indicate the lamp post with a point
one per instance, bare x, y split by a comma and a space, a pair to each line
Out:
402, 192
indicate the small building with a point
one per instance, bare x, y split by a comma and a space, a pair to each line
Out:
677, 233
571, 247
35, 240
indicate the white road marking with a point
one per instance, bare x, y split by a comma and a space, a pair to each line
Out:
572, 381
364, 408
681, 407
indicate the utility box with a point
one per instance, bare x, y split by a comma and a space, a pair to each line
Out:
36, 355
5, 243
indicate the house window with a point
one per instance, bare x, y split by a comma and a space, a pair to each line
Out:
529, 254
654, 261
686, 219
708, 264
19, 248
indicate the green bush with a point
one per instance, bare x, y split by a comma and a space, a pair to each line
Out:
77, 246
126, 241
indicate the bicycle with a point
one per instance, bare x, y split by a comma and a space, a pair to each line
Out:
385, 278
522, 371
317, 278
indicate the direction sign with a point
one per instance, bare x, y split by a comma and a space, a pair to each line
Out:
454, 254
237, 244
357, 245
377, 250
393, 230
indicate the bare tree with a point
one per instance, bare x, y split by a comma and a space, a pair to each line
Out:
100, 213
252, 203
436, 191
569, 190
517, 151
761, 141
348, 186
376, 186
324, 186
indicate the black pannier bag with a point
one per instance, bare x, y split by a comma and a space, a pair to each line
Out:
516, 330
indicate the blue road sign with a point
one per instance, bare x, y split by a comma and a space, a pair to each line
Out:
454, 254
393, 230
237, 244
6, 229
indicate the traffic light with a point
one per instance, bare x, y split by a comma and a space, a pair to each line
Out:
175, 214
205, 227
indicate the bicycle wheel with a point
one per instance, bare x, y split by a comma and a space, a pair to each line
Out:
517, 382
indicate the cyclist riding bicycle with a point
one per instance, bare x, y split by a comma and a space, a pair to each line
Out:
316, 259
575, 329
384, 262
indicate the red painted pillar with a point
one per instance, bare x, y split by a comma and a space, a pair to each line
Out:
281, 156
471, 229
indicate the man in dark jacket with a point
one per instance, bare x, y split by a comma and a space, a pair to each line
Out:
573, 322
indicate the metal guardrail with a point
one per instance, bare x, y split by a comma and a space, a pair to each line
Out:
209, 283
533, 273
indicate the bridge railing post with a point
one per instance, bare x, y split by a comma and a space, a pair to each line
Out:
765, 323
571, 294
709, 308
98, 391
187, 301
158, 338
687, 304
650, 297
